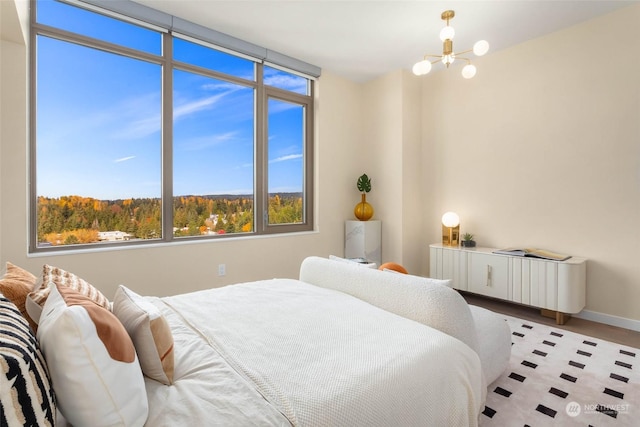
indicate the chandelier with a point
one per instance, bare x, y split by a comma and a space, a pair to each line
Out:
448, 55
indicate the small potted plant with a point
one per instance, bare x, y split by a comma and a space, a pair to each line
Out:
467, 241
363, 210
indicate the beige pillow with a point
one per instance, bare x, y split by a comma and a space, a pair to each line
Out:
50, 274
149, 331
15, 285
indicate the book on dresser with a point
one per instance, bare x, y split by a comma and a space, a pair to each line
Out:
533, 253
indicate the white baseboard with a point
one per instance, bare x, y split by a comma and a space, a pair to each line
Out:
608, 319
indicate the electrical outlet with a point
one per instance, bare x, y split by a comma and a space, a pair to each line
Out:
222, 269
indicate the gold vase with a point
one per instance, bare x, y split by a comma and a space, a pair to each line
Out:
363, 210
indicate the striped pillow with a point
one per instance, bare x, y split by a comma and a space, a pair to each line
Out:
50, 274
27, 398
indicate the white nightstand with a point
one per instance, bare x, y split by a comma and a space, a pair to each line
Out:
362, 239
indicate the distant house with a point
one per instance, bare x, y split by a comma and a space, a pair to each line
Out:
113, 236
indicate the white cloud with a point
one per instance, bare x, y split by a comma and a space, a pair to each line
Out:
140, 116
228, 87
124, 159
285, 158
196, 105
193, 106
285, 81
204, 142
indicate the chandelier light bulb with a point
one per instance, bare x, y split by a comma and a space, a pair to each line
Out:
421, 68
481, 47
448, 59
447, 33
469, 71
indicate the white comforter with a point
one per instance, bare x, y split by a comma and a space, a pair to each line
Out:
282, 352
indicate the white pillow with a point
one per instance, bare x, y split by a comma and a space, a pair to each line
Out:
92, 362
149, 331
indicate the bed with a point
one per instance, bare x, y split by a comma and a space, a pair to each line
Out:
329, 349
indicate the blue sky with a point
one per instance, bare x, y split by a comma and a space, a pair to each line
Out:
99, 118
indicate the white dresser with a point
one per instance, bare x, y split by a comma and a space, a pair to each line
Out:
556, 287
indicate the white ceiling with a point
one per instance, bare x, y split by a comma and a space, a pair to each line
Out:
363, 39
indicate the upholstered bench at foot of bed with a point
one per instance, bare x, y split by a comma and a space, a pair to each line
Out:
494, 342
428, 301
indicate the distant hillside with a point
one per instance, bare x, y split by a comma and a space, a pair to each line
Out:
77, 219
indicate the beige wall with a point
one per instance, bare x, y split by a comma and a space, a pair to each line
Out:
542, 149
391, 147
13, 35
415, 181
382, 150
539, 149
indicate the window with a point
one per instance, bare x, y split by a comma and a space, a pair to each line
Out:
141, 133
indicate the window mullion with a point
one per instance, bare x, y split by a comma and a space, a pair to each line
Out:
167, 138
309, 160
261, 199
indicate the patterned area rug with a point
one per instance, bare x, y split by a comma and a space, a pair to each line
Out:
560, 378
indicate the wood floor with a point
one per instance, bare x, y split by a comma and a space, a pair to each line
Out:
586, 327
